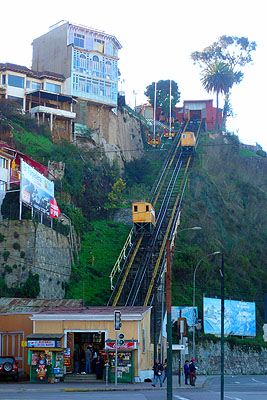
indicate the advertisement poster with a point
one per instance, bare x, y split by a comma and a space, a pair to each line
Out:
239, 317
37, 191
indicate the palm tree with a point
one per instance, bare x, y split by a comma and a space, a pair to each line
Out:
218, 77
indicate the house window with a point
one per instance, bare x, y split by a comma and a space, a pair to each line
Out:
3, 79
3, 163
16, 81
18, 100
135, 208
99, 45
147, 208
36, 85
183, 136
2, 186
79, 40
96, 65
28, 84
52, 87
109, 69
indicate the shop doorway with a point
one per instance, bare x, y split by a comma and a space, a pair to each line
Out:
79, 341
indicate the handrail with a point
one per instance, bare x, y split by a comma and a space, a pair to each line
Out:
122, 255
127, 271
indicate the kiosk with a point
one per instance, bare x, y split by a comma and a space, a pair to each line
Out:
125, 362
45, 357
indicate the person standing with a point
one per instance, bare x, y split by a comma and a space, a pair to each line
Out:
192, 372
76, 360
186, 371
88, 360
158, 369
99, 367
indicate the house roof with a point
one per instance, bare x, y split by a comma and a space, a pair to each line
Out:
29, 306
29, 72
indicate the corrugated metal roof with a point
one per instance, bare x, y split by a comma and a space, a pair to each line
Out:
98, 310
23, 306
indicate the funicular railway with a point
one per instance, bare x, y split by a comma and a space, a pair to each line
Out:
141, 268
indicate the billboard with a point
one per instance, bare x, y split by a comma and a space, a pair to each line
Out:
239, 317
35, 189
186, 312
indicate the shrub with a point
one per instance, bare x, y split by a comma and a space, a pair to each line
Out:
2, 237
8, 269
6, 254
16, 235
22, 254
16, 246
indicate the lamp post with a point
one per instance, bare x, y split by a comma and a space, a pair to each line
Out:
169, 311
194, 294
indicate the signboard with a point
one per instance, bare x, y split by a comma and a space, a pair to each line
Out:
44, 343
186, 312
23, 343
239, 317
125, 346
36, 190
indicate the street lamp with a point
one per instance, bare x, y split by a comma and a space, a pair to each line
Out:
194, 293
169, 311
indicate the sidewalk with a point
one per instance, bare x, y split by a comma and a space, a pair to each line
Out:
91, 387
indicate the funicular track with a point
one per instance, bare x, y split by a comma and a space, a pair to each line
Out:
144, 263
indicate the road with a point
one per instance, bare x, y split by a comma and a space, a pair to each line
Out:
236, 388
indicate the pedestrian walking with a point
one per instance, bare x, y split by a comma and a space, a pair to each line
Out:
165, 370
192, 372
158, 370
88, 360
186, 371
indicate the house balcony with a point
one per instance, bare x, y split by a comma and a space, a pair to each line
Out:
64, 114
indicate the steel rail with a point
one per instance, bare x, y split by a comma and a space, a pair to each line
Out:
165, 237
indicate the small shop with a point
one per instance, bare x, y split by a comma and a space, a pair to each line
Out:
45, 357
125, 363
94, 327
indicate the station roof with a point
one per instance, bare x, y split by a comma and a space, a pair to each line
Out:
91, 313
29, 306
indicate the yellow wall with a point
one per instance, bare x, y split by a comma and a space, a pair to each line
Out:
13, 329
129, 329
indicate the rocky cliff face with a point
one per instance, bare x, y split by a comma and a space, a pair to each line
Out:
27, 246
118, 134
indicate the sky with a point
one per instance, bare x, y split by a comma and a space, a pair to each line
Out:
157, 38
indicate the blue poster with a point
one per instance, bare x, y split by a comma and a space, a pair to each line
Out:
186, 312
239, 317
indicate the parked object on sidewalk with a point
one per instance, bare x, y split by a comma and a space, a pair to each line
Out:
9, 367
192, 372
158, 370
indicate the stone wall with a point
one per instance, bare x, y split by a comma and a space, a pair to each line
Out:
37, 248
238, 360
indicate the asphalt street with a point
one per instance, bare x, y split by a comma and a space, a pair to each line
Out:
236, 388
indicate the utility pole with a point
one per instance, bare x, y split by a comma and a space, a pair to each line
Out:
222, 328
169, 321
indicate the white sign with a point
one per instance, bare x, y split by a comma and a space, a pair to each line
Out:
41, 343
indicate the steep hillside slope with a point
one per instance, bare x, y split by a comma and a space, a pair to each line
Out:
226, 197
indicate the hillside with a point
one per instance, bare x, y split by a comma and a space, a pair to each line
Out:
226, 197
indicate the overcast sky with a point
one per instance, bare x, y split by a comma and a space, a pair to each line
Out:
157, 38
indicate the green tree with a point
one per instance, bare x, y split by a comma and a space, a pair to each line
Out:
217, 78
163, 95
233, 51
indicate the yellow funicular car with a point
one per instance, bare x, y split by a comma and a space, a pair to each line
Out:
188, 142
144, 219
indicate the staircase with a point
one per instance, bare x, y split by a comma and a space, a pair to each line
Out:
80, 378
